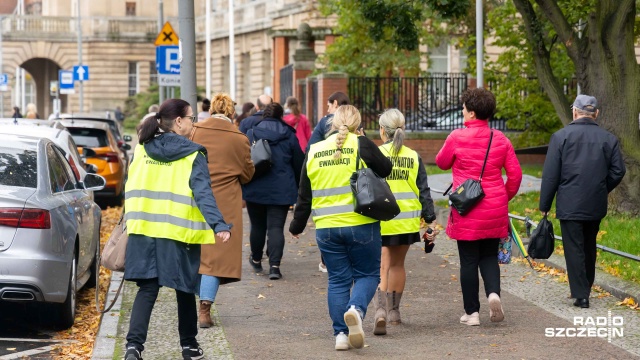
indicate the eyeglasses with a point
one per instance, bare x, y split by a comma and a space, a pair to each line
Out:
191, 117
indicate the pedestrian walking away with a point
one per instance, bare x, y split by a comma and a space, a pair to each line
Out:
298, 121
478, 232
248, 109
206, 105
270, 195
118, 114
408, 182
16, 113
583, 165
221, 263
350, 243
170, 212
32, 112
250, 121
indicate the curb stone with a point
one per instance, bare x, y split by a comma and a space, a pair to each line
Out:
106, 337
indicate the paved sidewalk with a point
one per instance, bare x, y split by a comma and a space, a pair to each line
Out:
288, 318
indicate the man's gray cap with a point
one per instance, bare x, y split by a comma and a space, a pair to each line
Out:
586, 103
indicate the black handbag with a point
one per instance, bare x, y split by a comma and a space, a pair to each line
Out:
260, 155
372, 195
469, 193
542, 242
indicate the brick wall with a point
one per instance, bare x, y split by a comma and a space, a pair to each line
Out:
426, 148
328, 83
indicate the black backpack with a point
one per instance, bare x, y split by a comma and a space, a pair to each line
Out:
542, 241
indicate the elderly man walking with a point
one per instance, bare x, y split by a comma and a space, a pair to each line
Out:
261, 104
583, 166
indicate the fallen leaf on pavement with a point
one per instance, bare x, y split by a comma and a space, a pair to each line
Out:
260, 296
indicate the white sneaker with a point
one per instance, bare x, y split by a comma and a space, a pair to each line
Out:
354, 322
342, 342
322, 267
496, 313
471, 320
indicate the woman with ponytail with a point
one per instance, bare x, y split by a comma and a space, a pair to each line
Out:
298, 121
408, 181
349, 243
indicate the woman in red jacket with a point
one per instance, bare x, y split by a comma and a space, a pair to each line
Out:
478, 232
298, 121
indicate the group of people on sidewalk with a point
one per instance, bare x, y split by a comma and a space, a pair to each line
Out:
188, 183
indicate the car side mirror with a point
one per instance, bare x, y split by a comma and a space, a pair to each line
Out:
125, 147
127, 138
94, 182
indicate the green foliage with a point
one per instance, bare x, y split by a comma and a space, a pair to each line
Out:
137, 106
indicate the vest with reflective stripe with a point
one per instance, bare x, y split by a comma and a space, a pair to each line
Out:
159, 202
332, 203
402, 182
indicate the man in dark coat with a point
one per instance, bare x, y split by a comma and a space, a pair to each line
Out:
583, 166
251, 121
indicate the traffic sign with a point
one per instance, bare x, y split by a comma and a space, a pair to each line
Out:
80, 73
168, 80
167, 36
65, 77
53, 88
4, 82
167, 60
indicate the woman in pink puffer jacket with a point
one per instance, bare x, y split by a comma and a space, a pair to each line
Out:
478, 232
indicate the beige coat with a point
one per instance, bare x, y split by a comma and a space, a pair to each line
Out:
230, 165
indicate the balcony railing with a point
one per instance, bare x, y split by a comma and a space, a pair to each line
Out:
65, 28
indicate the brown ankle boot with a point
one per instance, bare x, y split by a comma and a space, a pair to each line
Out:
380, 318
204, 316
393, 304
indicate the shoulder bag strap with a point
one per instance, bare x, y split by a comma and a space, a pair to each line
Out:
115, 297
486, 156
358, 154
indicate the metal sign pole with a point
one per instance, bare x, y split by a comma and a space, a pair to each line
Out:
186, 15
80, 57
161, 89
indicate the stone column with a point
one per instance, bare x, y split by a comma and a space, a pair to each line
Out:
304, 59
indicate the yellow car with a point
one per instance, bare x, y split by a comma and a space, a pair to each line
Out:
105, 154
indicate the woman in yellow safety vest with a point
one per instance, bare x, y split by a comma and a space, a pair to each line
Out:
349, 242
408, 182
170, 211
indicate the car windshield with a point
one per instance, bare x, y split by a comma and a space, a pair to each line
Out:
91, 138
18, 167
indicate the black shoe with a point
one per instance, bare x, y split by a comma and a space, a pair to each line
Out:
132, 354
192, 353
583, 303
274, 273
257, 266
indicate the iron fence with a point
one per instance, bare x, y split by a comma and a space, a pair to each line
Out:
286, 82
314, 96
303, 99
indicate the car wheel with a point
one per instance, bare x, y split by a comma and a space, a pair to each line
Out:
95, 268
66, 312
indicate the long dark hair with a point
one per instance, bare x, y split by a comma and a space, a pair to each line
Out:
273, 110
293, 105
163, 120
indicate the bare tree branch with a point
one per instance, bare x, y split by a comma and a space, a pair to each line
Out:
565, 31
534, 33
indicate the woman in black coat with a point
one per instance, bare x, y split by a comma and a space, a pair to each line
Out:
270, 195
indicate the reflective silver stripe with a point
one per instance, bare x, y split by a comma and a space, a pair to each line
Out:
332, 191
332, 210
160, 195
405, 195
164, 218
407, 215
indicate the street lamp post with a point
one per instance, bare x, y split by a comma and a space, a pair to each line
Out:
479, 45
208, 48
80, 56
186, 15
232, 58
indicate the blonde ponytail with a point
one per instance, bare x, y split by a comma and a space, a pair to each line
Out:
392, 123
346, 119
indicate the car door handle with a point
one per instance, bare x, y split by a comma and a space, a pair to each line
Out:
87, 206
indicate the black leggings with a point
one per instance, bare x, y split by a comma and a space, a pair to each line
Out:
476, 254
267, 221
141, 315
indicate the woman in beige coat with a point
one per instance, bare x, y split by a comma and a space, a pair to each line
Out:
229, 166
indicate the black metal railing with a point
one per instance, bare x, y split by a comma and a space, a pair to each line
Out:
303, 99
428, 103
286, 82
314, 97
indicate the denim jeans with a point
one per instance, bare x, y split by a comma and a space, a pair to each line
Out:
352, 257
267, 221
209, 288
141, 314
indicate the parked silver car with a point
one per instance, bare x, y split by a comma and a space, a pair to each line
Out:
49, 227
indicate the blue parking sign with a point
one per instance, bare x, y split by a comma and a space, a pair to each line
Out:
65, 77
167, 60
4, 82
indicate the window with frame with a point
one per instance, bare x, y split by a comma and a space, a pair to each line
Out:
133, 78
246, 75
153, 73
226, 84
464, 60
130, 8
59, 178
439, 58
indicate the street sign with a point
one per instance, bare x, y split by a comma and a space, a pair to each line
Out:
80, 73
168, 80
4, 82
167, 60
53, 88
167, 36
65, 77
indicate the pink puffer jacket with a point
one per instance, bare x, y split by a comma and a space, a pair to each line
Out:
464, 152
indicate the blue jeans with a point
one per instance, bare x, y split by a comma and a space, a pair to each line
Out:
209, 288
352, 257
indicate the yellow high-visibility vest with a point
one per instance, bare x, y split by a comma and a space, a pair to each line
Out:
159, 202
332, 203
402, 182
